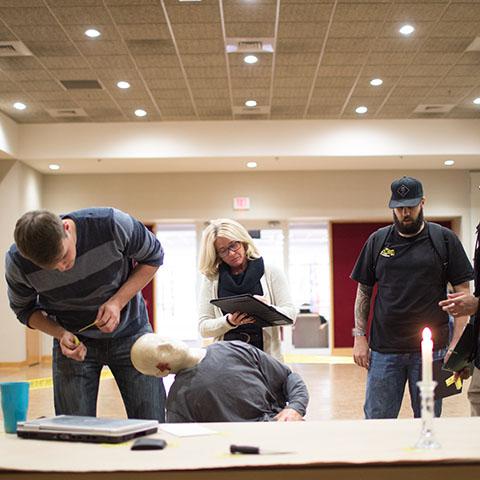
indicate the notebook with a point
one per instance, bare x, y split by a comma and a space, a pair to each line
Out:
465, 349
85, 429
265, 315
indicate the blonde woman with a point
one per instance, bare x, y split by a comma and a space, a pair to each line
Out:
231, 265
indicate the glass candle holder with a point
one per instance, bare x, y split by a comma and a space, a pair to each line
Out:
427, 437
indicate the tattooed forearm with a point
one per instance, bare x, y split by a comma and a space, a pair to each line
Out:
362, 306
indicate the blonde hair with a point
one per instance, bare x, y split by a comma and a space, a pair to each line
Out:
226, 228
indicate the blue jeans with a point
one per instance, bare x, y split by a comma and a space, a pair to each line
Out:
386, 379
75, 384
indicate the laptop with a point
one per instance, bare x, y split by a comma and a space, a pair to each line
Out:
85, 429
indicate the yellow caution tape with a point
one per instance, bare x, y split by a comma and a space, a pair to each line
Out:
47, 382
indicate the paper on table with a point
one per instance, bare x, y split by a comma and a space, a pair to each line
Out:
186, 429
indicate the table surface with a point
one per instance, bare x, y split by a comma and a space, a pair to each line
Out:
329, 445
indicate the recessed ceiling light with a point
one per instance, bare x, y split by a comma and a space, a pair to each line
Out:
19, 106
449, 163
250, 59
251, 164
123, 85
251, 103
375, 82
361, 110
54, 166
407, 30
477, 101
92, 33
140, 112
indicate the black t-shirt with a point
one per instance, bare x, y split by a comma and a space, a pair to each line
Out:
411, 281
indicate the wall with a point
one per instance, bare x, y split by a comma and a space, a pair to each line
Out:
20, 190
338, 195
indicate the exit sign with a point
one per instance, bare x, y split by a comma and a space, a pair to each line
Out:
241, 203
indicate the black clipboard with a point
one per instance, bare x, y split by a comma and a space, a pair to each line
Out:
440, 375
465, 349
265, 315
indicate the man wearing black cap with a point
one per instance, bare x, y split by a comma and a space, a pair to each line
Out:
411, 261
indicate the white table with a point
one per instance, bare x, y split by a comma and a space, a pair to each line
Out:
357, 449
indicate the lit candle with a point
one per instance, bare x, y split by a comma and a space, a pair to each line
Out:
427, 348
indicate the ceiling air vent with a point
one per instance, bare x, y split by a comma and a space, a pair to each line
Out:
66, 112
14, 49
249, 45
81, 84
435, 108
258, 110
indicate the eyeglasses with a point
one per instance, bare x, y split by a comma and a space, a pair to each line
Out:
232, 247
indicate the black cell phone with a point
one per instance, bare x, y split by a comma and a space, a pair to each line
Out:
149, 444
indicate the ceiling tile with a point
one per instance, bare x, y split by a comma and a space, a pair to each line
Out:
291, 30
251, 82
40, 86
193, 13
254, 29
249, 12
292, 45
144, 31
19, 63
362, 11
201, 47
157, 61
417, 11
205, 93
61, 63
295, 71
156, 72
305, 12
137, 14
349, 45
26, 16
52, 49
82, 15
40, 33
210, 60
291, 82
200, 31
354, 29
463, 11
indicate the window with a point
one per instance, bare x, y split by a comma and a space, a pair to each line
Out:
309, 267
175, 293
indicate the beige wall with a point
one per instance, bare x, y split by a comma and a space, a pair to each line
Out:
336, 195
20, 190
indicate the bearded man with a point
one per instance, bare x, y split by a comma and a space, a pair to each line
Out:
412, 262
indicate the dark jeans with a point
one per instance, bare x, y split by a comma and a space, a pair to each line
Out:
386, 379
75, 384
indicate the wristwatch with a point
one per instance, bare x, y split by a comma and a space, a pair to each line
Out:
356, 332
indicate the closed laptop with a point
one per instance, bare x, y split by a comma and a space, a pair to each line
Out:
85, 429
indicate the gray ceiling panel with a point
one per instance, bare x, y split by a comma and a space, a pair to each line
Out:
322, 66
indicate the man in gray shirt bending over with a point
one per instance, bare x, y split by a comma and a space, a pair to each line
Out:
224, 382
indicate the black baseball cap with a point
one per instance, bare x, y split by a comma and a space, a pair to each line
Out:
406, 192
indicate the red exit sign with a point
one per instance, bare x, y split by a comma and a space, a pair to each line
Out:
241, 203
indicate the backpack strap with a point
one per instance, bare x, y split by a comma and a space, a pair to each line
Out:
440, 242
379, 239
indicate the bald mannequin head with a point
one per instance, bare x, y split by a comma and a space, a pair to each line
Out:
157, 356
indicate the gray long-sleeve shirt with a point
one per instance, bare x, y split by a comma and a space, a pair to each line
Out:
235, 382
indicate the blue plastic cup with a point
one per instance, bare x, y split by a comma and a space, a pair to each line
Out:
14, 404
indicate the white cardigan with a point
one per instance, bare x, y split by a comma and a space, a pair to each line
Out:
212, 323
